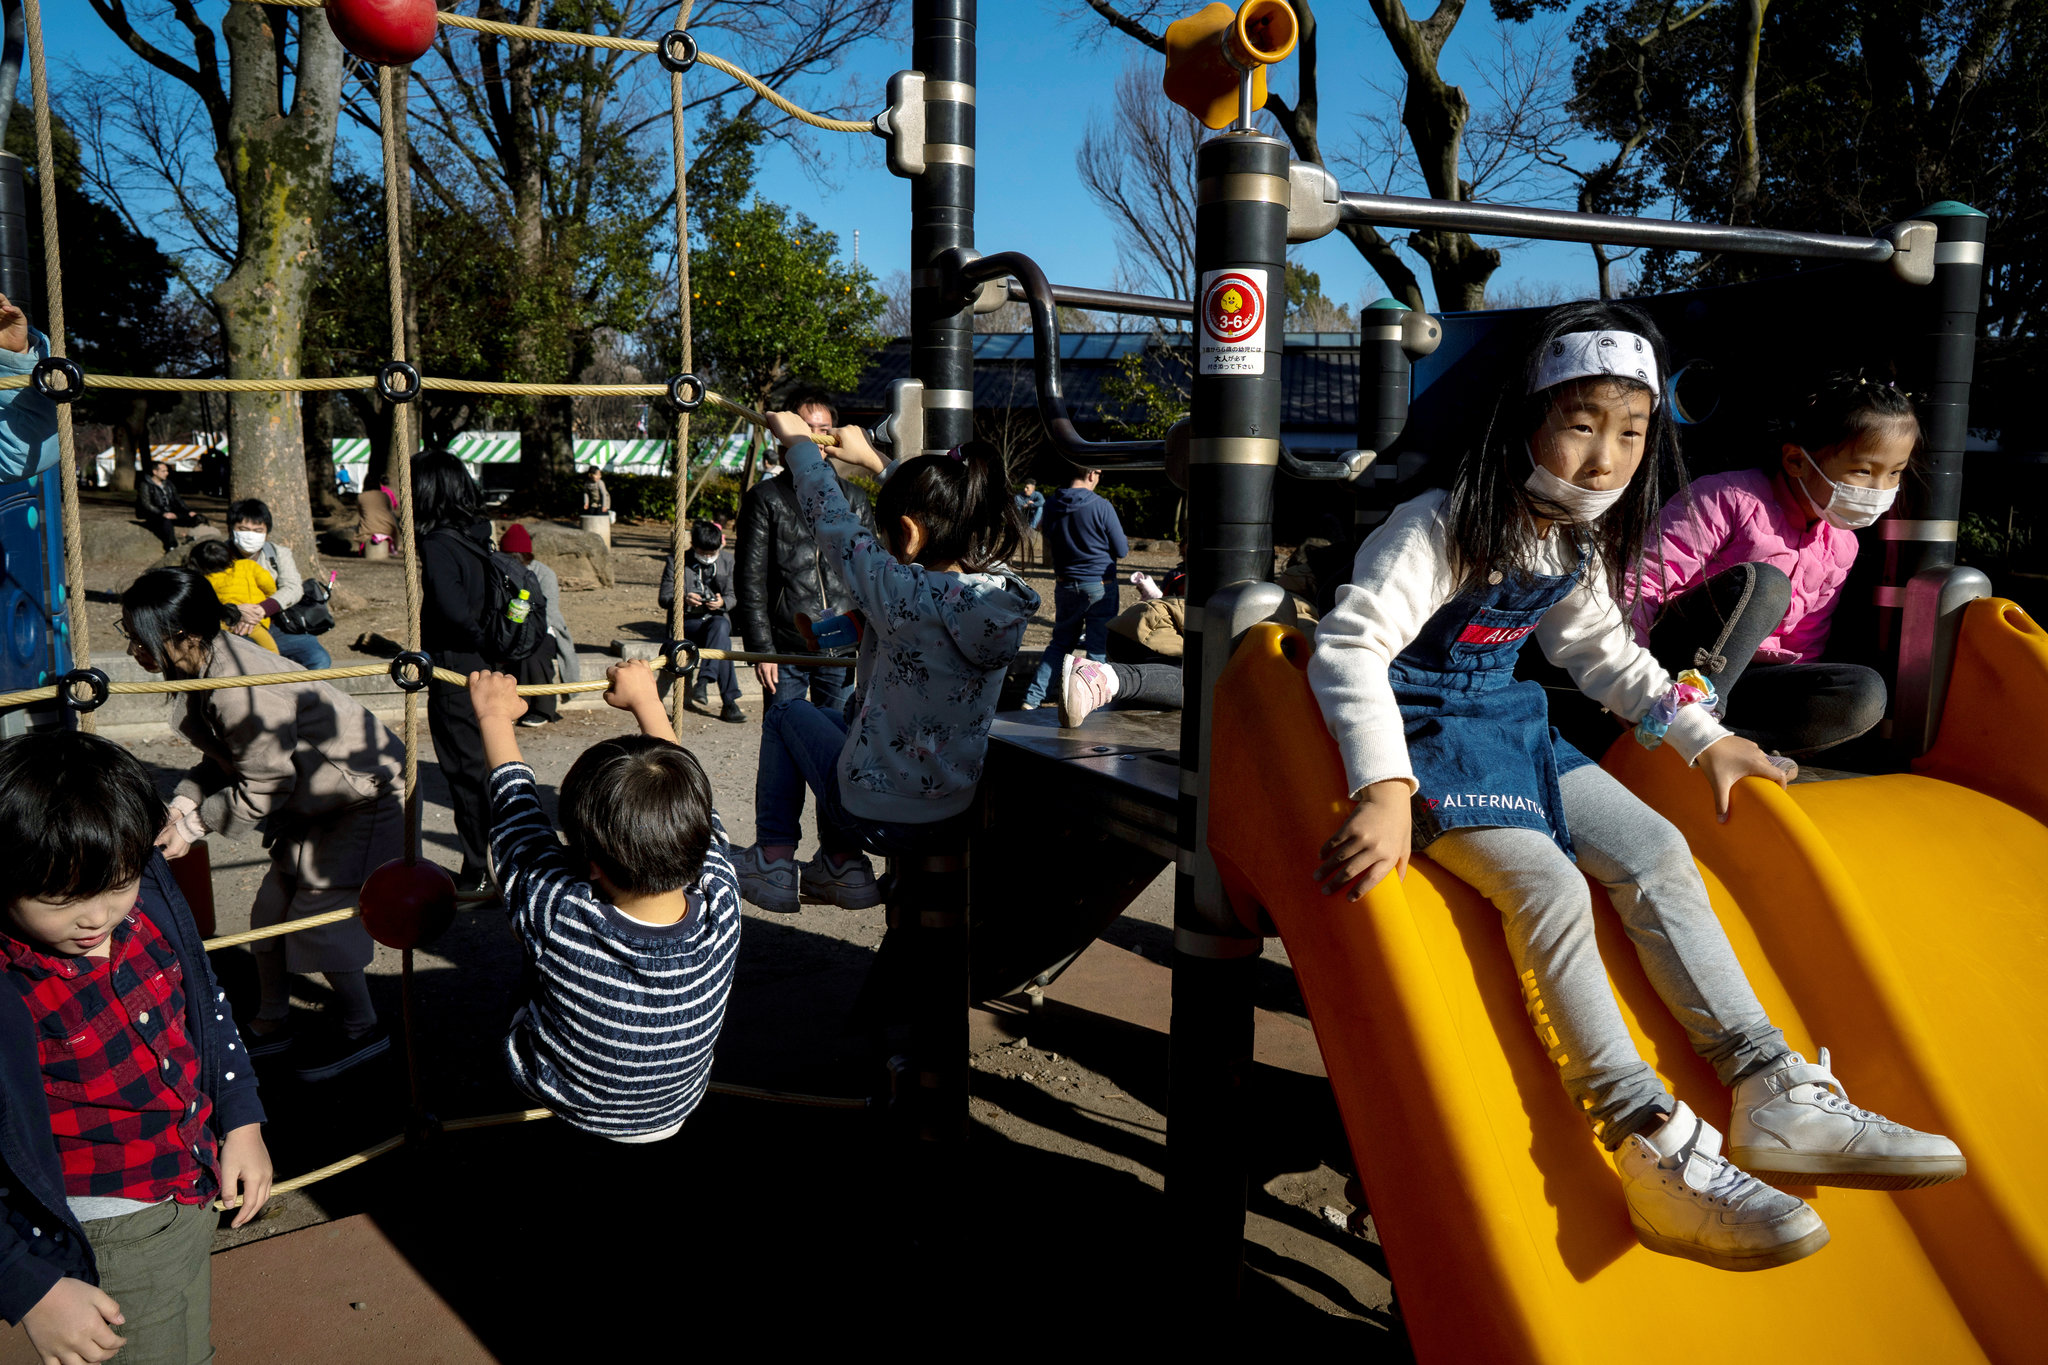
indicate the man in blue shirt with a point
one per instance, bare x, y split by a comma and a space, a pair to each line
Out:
1086, 539
1031, 511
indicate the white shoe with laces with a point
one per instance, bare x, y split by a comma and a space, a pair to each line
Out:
768, 883
1686, 1200
1793, 1121
1084, 686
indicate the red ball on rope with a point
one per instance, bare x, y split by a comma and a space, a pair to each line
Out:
386, 32
407, 905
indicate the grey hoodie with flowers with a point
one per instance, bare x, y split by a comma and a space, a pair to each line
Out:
932, 662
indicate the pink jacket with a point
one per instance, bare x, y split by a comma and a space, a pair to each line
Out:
1739, 518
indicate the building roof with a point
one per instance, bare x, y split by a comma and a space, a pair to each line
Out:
1318, 372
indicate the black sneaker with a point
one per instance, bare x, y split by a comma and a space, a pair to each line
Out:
732, 715
700, 698
475, 885
272, 1044
327, 1055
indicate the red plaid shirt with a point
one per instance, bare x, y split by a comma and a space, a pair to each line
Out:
120, 1074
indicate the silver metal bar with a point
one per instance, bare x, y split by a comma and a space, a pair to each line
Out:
1111, 301
1557, 225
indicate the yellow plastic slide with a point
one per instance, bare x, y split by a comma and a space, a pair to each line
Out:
1911, 955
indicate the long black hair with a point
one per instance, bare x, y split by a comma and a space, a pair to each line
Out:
1491, 513
443, 493
962, 499
165, 603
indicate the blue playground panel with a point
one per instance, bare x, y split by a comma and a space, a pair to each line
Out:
35, 631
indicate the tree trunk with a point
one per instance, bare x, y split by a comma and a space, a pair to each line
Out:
1748, 177
547, 449
131, 444
317, 417
279, 167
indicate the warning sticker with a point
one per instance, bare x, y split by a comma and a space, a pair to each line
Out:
1233, 322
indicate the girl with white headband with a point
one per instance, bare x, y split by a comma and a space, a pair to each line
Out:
1748, 571
1445, 750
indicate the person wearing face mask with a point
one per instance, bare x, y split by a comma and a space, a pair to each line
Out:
708, 601
1748, 573
1446, 750
250, 525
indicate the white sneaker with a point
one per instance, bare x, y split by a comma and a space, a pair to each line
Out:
1084, 685
1795, 1122
850, 886
1685, 1200
768, 883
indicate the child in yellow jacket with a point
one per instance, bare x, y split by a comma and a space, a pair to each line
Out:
236, 579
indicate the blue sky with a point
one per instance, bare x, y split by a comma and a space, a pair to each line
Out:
1040, 82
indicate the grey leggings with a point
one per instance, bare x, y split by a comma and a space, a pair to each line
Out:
1547, 910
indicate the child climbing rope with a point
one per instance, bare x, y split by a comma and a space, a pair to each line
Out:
1444, 749
1753, 566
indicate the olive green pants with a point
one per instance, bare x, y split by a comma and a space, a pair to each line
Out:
157, 1264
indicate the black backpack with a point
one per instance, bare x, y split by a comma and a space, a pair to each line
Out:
506, 641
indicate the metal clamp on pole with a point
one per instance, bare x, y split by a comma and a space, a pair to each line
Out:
90, 678
411, 671
677, 51
678, 658
902, 430
50, 370
961, 271
686, 393
901, 125
1344, 469
398, 381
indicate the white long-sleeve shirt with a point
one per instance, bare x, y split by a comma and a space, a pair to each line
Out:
1401, 578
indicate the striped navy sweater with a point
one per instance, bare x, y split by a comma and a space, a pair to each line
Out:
616, 1031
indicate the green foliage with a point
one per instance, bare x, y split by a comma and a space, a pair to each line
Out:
1151, 387
1144, 511
1308, 308
642, 496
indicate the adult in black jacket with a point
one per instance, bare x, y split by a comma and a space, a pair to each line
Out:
159, 506
709, 598
454, 542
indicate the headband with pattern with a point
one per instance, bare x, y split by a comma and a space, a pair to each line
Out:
1581, 355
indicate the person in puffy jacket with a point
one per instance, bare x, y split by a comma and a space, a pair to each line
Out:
448, 511
1748, 573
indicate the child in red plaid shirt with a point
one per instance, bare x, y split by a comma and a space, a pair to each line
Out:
127, 1102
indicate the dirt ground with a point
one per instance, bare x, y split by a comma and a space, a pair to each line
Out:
791, 1220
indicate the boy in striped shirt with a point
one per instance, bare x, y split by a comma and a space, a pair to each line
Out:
630, 930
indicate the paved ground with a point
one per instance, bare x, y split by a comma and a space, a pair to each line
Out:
780, 1221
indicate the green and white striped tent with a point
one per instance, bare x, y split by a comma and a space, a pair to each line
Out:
502, 447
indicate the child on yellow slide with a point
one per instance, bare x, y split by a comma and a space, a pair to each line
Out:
1444, 749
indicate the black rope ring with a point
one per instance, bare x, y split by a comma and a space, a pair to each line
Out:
88, 677
398, 369
671, 651
677, 51
686, 383
74, 378
412, 670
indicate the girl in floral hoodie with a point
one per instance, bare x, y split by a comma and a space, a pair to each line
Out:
942, 617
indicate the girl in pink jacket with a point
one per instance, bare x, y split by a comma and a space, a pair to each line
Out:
1753, 568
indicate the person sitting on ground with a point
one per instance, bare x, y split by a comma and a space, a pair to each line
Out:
708, 600
943, 616
1748, 574
127, 1100
629, 931
559, 654
238, 581
597, 499
306, 764
1086, 539
249, 525
1146, 645
159, 506
28, 420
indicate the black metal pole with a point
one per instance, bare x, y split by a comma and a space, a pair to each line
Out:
942, 218
1234, 448
1383, 376
15, 281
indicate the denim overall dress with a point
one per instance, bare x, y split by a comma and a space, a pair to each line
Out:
1479, 739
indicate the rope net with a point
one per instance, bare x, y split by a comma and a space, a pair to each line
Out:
396, 172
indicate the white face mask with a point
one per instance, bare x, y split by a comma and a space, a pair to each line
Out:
1850, 506
1584, 505
703, 558
249, 542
